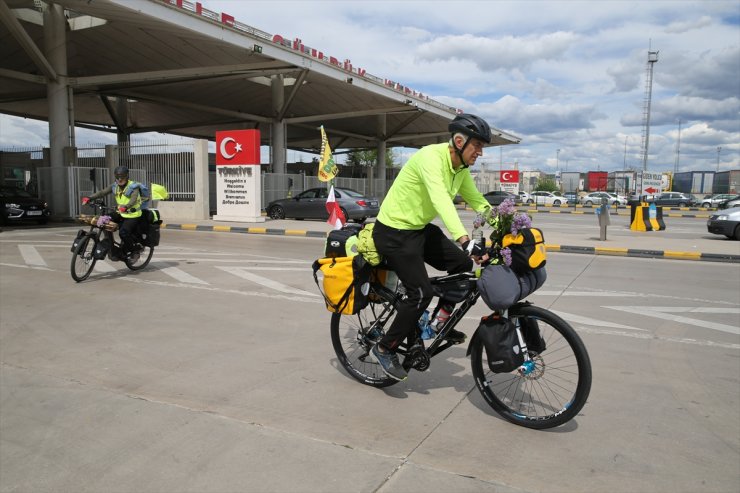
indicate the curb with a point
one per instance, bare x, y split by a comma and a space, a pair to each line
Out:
620, 252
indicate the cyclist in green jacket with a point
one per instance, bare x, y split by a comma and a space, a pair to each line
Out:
404, 235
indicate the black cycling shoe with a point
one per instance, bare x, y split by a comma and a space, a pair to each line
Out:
455, 336
388, 362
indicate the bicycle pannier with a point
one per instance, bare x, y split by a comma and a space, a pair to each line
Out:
527, 250
501, 342
80, 235
346, 283
150, 227
102, 249
500, 287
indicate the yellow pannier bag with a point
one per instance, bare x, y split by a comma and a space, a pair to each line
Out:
527, 250
345, 284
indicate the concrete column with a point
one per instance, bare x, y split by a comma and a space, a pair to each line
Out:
381, 155
278, 137
202, 190
55, 50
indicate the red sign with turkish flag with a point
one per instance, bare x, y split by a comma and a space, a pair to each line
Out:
509, 176
238, 147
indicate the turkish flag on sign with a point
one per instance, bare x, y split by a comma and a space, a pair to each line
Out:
510, 176
238, 147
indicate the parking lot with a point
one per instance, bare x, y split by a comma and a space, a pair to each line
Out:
212, 370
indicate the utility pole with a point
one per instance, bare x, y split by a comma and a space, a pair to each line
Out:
652, 59
719, 149
678, 148
624, 166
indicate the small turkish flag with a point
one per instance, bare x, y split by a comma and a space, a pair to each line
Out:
336, 218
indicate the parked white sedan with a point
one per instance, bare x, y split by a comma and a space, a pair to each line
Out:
548, 198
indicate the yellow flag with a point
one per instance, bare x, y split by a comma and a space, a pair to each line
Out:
327, 169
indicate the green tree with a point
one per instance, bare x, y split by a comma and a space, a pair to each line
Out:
369, 157
546, 185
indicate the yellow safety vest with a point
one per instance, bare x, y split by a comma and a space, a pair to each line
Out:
123, 199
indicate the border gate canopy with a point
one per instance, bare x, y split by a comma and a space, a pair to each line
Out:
172, 66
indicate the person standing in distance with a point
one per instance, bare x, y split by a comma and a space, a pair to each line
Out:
404, 236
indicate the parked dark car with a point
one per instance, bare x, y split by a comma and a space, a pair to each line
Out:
19, 205
725, 222
674, 199
497, 196
311, 204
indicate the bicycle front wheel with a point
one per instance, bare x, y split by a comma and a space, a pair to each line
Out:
550, 392
83, 260
354, 335
141, 258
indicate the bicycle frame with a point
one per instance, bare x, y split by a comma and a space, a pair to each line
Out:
439, 343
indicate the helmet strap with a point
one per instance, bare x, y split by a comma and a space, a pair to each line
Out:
460, 152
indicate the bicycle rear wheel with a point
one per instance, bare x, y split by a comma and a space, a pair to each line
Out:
141, 258
354, 335
556, 388
83, 261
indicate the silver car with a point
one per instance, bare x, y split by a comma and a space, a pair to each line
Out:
311, 204
715, 200
595, 198
725, 222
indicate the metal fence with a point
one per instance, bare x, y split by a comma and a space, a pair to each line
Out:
168, 164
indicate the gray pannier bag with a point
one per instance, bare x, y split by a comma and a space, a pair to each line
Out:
500, 287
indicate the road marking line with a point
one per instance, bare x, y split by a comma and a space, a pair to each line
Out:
594, 322
31, 256
650, 312
179, 274
695, 309
269, 283
585, 293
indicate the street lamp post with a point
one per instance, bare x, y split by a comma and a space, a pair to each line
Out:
557, 160
719, 149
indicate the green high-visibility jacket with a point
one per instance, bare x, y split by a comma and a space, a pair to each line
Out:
425, 188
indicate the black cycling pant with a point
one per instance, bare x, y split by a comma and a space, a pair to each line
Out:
406, 251
128, 230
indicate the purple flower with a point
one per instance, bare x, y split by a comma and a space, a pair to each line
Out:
506, 255
506, 208
521, 221
103, 220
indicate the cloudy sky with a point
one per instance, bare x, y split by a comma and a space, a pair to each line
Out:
567, 75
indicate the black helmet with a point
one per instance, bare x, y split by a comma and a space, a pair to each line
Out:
120, 171
471, 126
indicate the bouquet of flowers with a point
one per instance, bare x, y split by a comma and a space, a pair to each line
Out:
503, 219
103, 220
